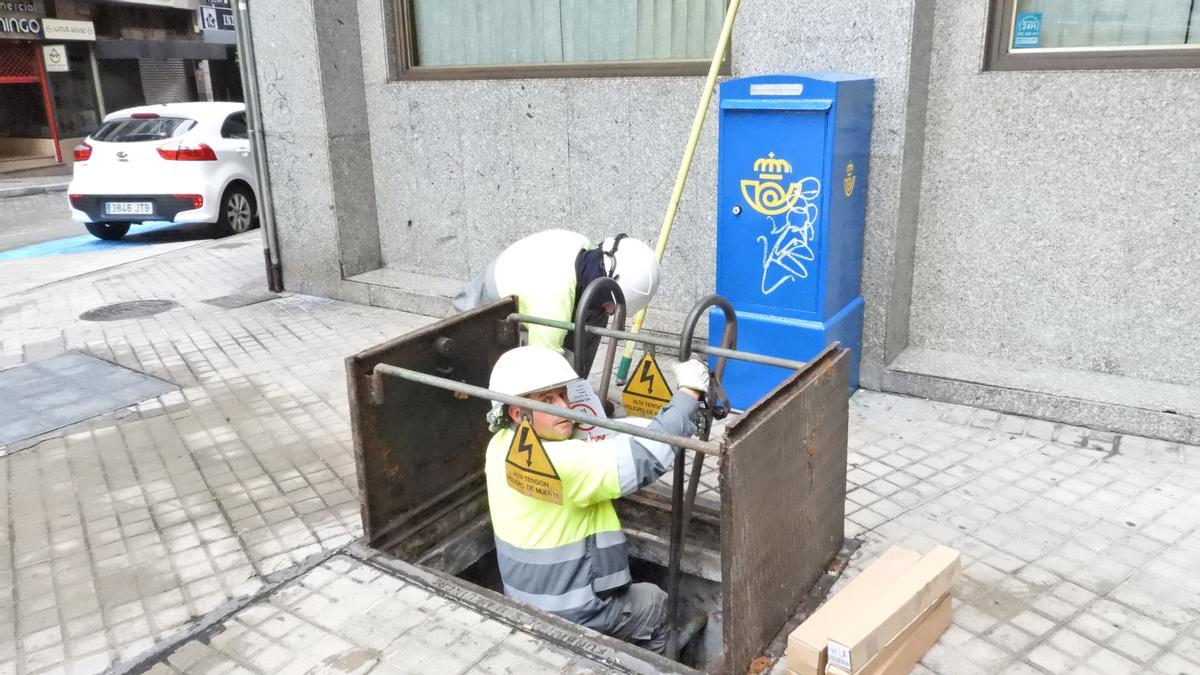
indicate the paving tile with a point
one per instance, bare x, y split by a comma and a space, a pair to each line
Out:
1072, 643
1009, 638
1050, 659
1034, 623
390, 626
1172, 664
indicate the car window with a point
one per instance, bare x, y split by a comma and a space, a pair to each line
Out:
235, 126
135, 129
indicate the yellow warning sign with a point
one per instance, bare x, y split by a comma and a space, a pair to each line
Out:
647, 390
529, 469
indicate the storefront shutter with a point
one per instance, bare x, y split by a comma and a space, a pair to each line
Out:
18, 62
164, 80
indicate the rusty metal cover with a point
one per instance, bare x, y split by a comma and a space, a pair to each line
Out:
422, 443
783, 495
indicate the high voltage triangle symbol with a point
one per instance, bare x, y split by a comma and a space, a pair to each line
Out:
528, 468
647, 389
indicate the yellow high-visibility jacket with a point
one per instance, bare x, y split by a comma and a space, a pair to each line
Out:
540, 271
563, 558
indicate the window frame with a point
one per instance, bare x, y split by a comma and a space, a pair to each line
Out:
403, 49
1000, 56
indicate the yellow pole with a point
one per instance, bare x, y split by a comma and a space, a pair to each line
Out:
684, 167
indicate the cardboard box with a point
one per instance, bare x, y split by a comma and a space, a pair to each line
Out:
806, 645
852, 644
902, 654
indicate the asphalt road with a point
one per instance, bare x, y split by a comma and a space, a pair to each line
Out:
38, 225
34, 219
40, 244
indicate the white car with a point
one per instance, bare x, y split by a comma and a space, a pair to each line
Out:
178, 162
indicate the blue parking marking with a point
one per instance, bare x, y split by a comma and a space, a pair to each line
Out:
85, 243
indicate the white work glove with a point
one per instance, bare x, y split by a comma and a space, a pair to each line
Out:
692, 374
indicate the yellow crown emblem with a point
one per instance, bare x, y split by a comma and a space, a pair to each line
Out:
768, 195
769, 168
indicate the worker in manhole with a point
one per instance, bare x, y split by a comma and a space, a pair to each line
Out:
548, 271
558, 539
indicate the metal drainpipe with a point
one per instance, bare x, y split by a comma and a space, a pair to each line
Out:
266, 203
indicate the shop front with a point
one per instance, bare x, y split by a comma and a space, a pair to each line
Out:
28, 135
48, 86
68, 56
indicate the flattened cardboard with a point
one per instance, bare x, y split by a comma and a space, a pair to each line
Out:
853, 644
806, 644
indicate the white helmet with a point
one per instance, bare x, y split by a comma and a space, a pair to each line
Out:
527, 370
633, 265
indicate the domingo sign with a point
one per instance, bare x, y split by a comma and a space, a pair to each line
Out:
21, 20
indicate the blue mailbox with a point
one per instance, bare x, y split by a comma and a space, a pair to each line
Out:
791, 201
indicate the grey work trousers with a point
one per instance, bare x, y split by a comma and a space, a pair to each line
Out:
636, 614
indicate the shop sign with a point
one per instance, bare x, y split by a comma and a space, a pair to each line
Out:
175, 4
56, 58
216, 18
216, 21
21, 19
61, 29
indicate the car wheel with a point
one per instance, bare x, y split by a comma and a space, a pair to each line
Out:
108, 231
237, 211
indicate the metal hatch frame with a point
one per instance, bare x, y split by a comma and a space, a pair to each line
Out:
783, 502
405, 474
419, 452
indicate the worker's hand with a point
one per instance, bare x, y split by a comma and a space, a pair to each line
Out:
693, 375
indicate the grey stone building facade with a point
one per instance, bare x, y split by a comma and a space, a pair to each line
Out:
1031, 235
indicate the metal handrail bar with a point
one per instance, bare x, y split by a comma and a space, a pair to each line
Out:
598, 285
384, 369
658, 341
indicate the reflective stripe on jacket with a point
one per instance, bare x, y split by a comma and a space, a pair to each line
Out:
561, 558
540, 271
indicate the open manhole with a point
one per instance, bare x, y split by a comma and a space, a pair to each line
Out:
135, 309
749, 565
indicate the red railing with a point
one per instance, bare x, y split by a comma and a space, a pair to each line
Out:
21, 63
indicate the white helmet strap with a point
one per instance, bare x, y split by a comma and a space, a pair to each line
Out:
611, 254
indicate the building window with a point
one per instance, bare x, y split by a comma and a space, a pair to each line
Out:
1093, 34
477, 39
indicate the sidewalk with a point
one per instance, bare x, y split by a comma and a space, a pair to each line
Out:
19, 187
206, 530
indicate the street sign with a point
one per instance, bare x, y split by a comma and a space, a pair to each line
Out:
21, 20
61, 29
647, 390
528, 468
56, 58
216, 18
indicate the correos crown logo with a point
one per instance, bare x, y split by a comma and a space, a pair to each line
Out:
767, 195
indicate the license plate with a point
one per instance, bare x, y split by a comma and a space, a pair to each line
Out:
129, 208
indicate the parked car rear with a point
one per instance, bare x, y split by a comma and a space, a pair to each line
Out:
177, 162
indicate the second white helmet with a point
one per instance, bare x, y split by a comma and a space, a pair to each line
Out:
633, 265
